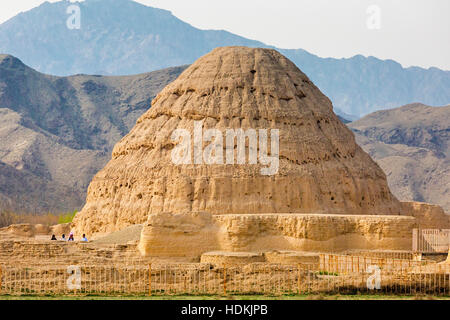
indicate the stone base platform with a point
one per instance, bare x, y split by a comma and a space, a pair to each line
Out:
231, 258
291, 257
276, 257
193, 234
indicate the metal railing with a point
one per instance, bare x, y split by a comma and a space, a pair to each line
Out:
431, 240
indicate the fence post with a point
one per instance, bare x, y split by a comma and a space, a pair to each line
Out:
298, 279
414, 240
328, 263
357, 267
1, 275
224, 280
150, 279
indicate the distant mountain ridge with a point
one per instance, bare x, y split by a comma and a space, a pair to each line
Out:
57, 132
123, 37
412, 145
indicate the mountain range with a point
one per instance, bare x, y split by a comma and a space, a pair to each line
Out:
122, 37
57, 132
412, 145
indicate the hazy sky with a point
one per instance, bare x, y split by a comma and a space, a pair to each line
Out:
412, 32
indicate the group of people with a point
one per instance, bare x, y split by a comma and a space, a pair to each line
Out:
71, 238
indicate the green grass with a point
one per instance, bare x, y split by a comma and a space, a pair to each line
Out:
245, 297
66, 218
326, 273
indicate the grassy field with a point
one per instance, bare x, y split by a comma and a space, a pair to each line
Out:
300, 297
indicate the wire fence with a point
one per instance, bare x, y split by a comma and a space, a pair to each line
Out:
402, 255
431, 240
333, 275
356, 264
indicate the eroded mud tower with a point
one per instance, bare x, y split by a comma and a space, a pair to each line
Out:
322, 185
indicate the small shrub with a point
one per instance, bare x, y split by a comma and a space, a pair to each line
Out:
326, 273
67, 218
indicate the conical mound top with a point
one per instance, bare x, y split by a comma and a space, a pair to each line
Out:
244, 74
319, 167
